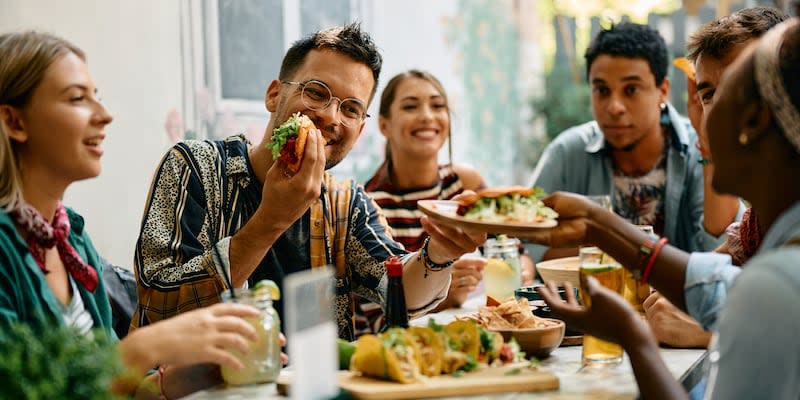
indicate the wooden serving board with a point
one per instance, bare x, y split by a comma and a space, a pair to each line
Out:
489, 380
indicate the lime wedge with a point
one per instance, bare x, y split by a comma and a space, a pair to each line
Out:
598, 268
269, 286
346, 350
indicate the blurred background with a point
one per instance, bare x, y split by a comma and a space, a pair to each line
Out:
197, 69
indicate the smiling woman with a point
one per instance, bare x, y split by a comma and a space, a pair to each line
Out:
415, 120
52, 128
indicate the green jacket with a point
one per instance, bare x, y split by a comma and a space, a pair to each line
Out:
24, 294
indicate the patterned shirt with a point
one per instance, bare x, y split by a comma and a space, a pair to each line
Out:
640, 199
205, 191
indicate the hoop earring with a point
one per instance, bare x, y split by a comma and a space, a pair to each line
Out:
743, 139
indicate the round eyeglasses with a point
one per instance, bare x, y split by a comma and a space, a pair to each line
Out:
317, 96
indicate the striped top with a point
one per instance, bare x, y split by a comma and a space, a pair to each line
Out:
75, 314
400, 207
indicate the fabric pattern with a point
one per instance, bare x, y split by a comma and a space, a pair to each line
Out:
205, 191
24, 295
43, 236
402, 215
640, 199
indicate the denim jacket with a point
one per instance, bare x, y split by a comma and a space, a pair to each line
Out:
577, 161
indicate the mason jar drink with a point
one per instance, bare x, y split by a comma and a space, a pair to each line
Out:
501, 276
595, 263
635, 292
263, 363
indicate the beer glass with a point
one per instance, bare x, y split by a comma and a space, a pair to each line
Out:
608, 272
635, 292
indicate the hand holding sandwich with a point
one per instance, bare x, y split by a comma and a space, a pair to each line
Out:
286, 195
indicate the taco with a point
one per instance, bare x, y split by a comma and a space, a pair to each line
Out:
506, 204
431, 349
391, 356
288, 141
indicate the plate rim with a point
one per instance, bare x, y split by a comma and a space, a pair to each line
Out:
490, 227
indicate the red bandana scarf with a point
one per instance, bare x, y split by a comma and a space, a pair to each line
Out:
42, 236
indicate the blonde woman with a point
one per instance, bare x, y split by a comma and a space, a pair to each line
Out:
52, 127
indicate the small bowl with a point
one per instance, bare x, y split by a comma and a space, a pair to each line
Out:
538, 342
560, 270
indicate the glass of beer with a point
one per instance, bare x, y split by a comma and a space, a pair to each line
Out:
636, 292
608, 272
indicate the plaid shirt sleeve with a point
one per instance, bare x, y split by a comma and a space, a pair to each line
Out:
174, 260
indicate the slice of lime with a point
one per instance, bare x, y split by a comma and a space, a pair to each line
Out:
269, 286
346, 350
598, 268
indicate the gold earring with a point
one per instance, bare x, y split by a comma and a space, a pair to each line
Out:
743, 139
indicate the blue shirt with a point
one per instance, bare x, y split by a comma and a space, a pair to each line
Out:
577, 161
755, 353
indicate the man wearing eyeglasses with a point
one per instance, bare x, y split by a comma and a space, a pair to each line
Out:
219, 209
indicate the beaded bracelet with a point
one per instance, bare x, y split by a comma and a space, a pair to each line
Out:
423, 257
652, 260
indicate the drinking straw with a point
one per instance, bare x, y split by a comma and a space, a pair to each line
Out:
224, 272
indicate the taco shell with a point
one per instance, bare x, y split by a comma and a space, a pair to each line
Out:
392, 356
431, 349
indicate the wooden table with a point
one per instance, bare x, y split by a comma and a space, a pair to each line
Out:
615, 383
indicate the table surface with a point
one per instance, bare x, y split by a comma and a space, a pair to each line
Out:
564, 362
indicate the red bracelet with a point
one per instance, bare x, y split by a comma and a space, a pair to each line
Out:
161, 395
652, 261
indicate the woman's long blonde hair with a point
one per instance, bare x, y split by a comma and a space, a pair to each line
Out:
24, 59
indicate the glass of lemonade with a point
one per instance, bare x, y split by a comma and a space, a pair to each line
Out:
501, 276
594, 262
263, 363
635, 292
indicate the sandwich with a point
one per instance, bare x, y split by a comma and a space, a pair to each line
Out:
683, 64
506, 204
288, 141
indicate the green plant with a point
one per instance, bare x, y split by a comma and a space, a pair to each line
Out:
565, 103
57, 363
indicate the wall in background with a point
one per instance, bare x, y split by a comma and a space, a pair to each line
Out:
134, 55
150, 61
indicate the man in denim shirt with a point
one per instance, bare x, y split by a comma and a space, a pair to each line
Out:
638, 149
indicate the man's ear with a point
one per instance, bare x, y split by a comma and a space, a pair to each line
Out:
12, 122
664, 89
272, 95
757, 120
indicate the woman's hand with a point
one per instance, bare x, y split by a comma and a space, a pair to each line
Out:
610, 317
200, 336
466, 274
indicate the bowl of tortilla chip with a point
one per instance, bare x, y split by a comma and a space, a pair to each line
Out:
513, 319
538, 342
